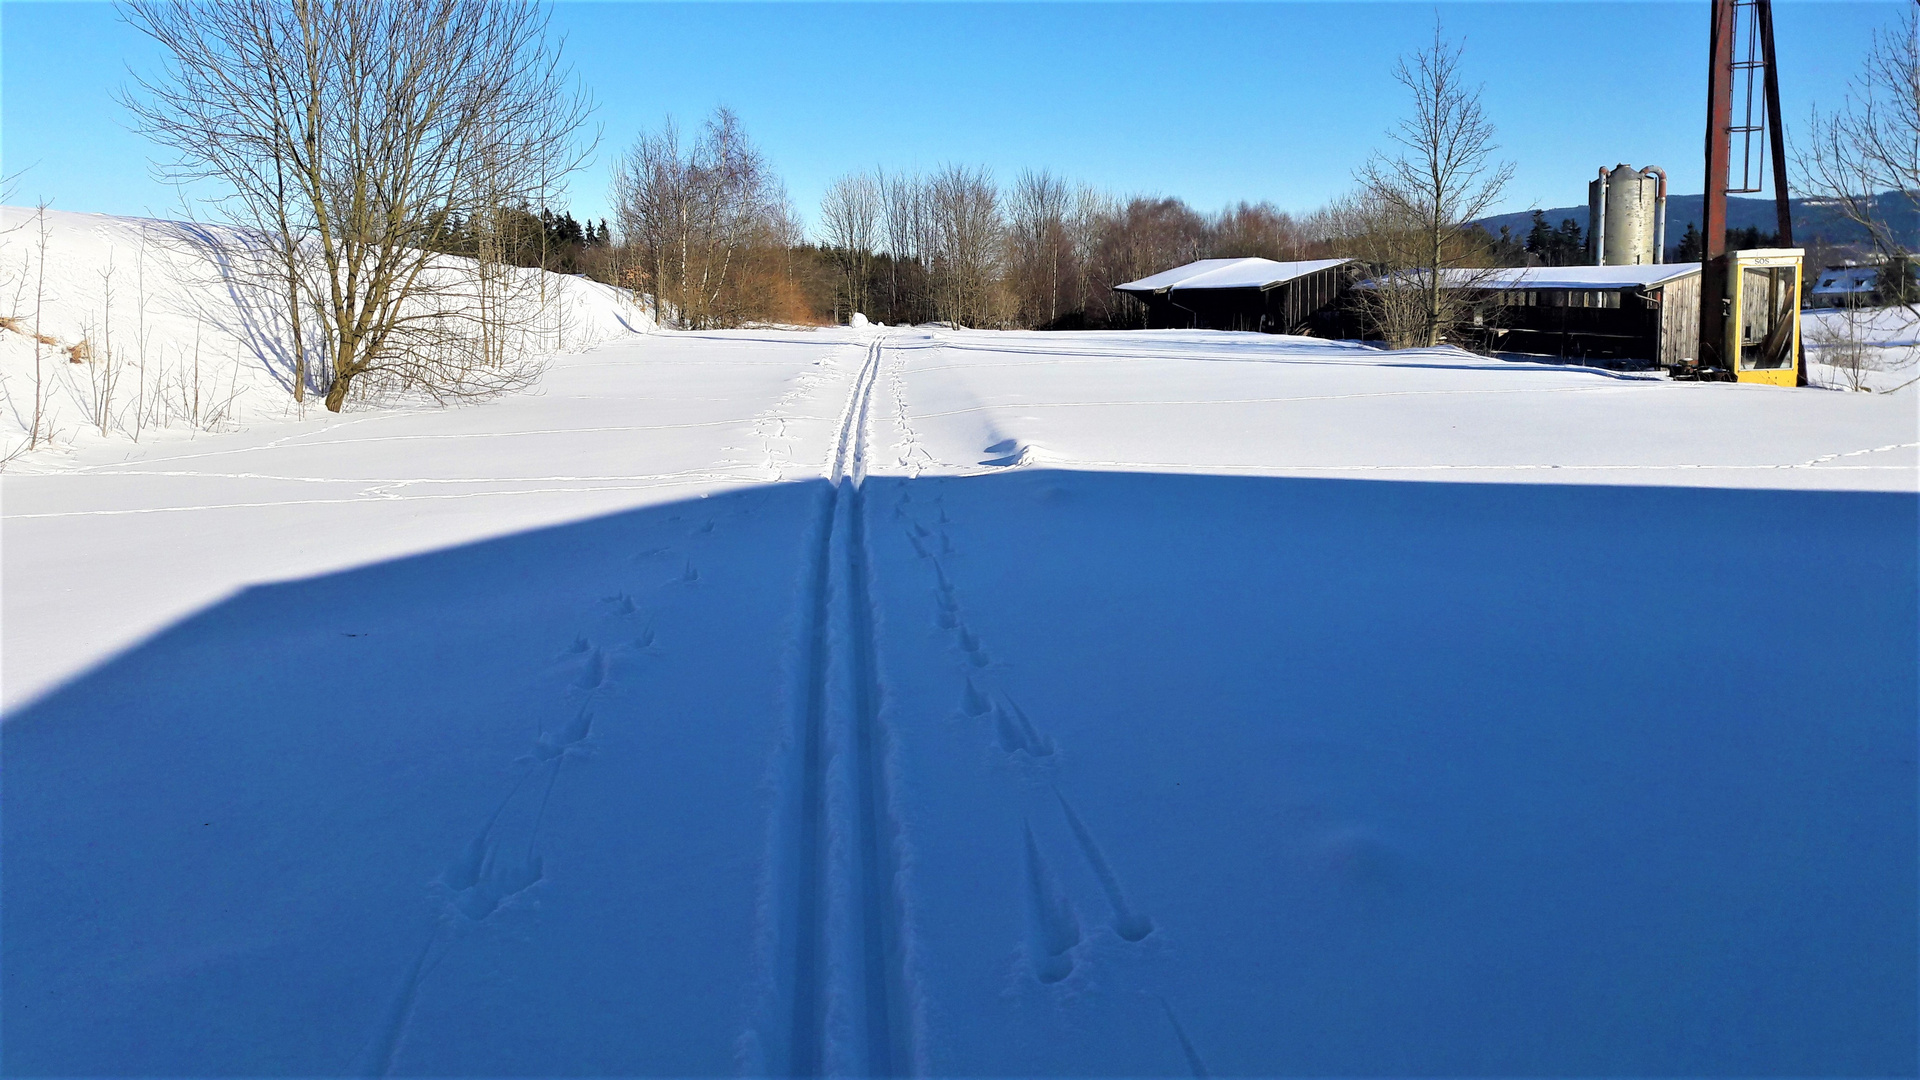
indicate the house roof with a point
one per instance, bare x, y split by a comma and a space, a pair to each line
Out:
1228, 274
1846, 279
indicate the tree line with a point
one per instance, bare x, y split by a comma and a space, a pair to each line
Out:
373, 141
710, 234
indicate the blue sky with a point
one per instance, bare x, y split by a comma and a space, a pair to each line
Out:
1210, 102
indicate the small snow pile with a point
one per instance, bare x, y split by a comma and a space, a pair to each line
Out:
129, 326
858, 321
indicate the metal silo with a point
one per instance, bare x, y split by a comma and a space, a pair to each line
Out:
1627, 215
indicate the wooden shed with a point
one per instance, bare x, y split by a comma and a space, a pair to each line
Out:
1244, 294
1646, 315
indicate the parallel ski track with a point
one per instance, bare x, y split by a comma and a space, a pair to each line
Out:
841, 719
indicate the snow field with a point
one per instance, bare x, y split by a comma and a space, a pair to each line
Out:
1130, 704
1888, 337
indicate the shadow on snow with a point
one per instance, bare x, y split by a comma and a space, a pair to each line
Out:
1396, 777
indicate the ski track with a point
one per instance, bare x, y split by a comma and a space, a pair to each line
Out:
846, 995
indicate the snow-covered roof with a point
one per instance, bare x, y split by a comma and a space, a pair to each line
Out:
1228, 274
1645, 275
1837, 280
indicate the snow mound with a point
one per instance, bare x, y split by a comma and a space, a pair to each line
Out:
142, 325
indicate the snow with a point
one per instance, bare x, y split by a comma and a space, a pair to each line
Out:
168, 313
1642, 276
1229, 274
1874, 348
913, 700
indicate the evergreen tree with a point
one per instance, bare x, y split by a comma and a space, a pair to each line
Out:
1540, 239
1690, 247
1570, 248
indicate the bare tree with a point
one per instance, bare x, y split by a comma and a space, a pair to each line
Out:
1144, 236
907, 231
1042, 245
963, 208
1865, 155
1871, 144
698, 216
1443, 177
359, 137
850, 217
1386, 241
1841, 341
1258, 230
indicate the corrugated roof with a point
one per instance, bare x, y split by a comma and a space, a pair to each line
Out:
1228, 274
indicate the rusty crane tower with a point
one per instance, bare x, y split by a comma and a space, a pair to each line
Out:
1743, 84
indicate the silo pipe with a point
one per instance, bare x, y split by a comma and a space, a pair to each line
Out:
1599, 225
1660, 211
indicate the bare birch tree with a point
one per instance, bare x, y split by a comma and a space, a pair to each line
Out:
1443, 176
700, 218
1038, 229
850, 217
963, 209
358, 136
908, 239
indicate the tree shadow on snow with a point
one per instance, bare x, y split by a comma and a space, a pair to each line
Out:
1250, 776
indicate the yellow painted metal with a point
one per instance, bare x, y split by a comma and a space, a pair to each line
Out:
1763, 320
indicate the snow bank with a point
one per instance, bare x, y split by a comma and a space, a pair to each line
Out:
149, 326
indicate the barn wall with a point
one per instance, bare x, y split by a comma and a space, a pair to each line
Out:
1679, 320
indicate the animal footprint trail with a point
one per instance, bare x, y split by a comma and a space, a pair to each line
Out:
594, 673
1052, 928
490, 869
551, 745
501, 876
970, 645
1194, 1064
1129, 924
1017, 733
973, 702
377, 1058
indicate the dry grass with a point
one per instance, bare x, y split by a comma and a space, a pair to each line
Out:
12, 322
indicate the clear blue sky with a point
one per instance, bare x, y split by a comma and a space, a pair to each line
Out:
1210, 102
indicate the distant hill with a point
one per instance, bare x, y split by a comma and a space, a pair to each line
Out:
1812, 218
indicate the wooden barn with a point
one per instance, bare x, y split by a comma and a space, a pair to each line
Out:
1245, 294
1631, 316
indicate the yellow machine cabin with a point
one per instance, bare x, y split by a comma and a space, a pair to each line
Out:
1763, 315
